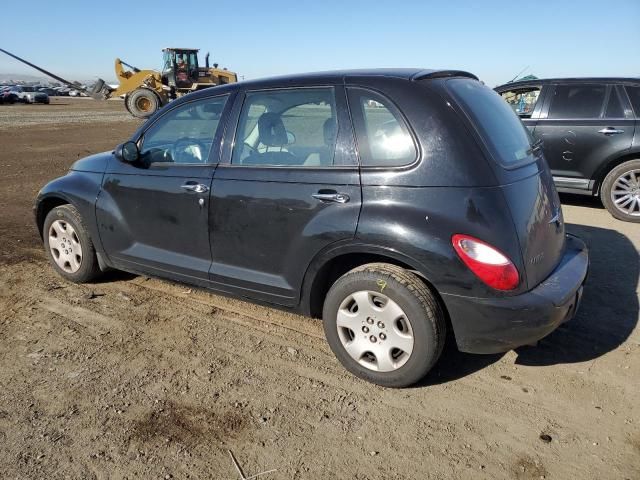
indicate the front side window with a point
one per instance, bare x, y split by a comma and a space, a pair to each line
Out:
522, 100
185, 134
382, 134
289, 127
577, 101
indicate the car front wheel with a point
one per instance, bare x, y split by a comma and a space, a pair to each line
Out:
384, 324
620, 191
69, 246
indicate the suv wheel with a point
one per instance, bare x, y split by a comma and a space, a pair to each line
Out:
621, 191
69, 246
384, 324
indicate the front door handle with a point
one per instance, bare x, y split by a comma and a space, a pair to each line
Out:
195, 187
610, 131
332, 197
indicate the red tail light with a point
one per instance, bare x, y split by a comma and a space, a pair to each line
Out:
489, 264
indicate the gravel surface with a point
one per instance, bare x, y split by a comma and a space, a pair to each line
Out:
133, 377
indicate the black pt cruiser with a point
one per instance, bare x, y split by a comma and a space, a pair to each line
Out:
400, 206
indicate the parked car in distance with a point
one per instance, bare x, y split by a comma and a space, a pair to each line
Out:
30, 94
400, 206
7, 96
589, 133
49, 91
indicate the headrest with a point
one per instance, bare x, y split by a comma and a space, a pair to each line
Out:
329, 129
271, 131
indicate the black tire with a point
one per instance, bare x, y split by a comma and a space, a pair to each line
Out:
89, 269
413, 296
142, 103
608, 186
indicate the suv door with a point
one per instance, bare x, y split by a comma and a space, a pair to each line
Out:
153, 215
584, 125
288, 188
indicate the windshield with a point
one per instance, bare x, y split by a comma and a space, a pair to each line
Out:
503, 132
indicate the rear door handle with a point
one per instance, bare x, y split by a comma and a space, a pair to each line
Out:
195, 187
610, 131
332, 197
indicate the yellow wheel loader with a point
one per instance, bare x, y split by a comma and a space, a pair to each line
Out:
145, 91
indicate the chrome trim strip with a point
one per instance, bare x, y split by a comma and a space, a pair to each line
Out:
571, 182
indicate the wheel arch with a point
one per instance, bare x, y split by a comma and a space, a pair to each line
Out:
329, 265
604, 170
45, 205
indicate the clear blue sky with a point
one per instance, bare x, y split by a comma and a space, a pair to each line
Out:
494, 39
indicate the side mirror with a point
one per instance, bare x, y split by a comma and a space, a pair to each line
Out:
128, 152
291, 138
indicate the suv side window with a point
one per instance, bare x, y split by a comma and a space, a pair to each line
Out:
614, 105
577, 101
287, 127
382, 134
185, 134
522, 100
634, 96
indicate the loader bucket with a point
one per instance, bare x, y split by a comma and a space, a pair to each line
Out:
100, 90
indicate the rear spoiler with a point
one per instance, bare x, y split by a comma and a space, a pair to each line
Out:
433, 74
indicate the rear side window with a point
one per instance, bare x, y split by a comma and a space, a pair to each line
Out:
382, 134
503, 132
577, 101
287, 128
614, 106
522, 100
634, 96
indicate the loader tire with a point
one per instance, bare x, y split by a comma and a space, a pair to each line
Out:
142, 103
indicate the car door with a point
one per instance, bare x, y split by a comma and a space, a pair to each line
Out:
153, 214
584, 125
288, 188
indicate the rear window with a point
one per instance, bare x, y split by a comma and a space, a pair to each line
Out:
503, 132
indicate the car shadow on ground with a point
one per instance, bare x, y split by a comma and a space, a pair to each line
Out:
607, 316
577, 200
609, 310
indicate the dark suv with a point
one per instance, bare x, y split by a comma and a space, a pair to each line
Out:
398, 205
589, 133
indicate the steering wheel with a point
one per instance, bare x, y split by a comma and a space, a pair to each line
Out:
189, 150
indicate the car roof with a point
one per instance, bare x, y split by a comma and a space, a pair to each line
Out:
403, 73
333, 77
540, 81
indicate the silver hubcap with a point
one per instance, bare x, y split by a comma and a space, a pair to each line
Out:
374, 331
625, 193
65, 246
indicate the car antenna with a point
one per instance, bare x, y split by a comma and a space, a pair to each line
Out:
518, 74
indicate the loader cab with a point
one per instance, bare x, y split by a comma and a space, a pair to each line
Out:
180, 69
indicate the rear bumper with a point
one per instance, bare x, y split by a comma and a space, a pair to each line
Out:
492, 325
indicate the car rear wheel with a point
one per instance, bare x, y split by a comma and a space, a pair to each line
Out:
69, 246
621, 191
384, 324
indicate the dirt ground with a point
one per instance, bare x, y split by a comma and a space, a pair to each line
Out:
140, 378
